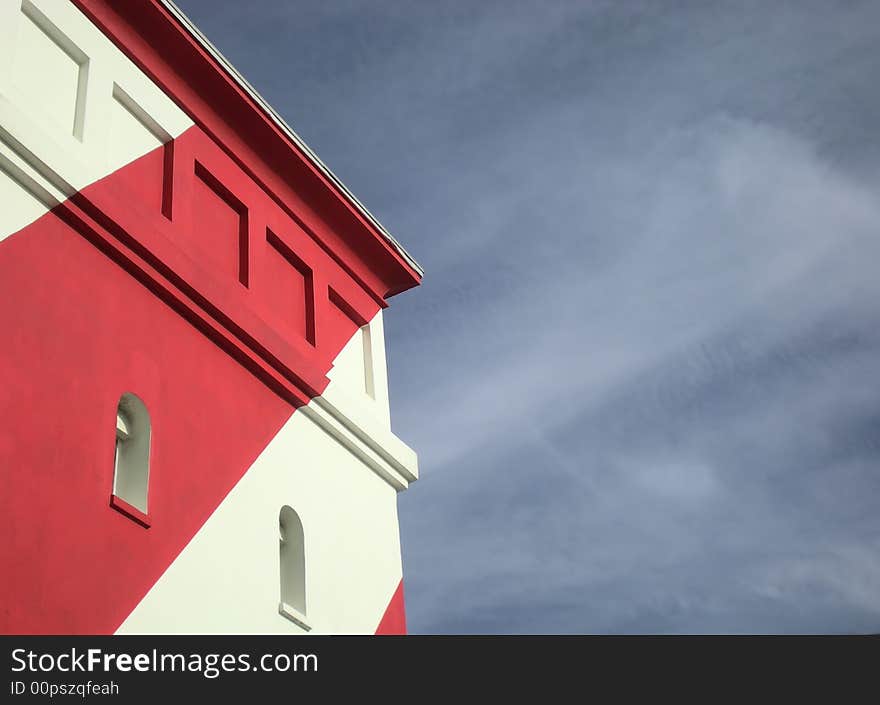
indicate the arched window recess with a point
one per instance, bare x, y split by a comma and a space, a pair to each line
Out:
292, 564
131, 458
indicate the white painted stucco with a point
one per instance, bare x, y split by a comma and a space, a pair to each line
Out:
362, 376
227, 578
73, 108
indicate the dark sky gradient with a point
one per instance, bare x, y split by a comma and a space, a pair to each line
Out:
643, 370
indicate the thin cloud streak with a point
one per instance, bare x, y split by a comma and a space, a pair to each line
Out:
639, 372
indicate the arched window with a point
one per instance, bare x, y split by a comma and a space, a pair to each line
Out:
131, 475
292, 559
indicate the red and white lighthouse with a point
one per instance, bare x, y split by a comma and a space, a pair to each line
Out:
194, 418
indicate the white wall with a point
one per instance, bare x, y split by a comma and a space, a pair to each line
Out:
227, 578
361, 376
73, 108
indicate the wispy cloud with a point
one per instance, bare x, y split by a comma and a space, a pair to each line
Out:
748, 216
639, 372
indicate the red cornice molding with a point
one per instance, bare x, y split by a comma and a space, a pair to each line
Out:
296, 387
156, 41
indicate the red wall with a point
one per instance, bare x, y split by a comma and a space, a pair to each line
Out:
80, 331
217, 278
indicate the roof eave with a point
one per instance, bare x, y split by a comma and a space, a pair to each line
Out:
270, 112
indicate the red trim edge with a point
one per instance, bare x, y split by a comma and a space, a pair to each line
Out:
132, 512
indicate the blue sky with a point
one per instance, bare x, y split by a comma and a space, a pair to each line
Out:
642, 370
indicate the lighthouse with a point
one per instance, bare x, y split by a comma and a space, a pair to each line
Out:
195, 431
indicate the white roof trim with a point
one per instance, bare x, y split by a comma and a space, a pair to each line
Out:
196, 33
